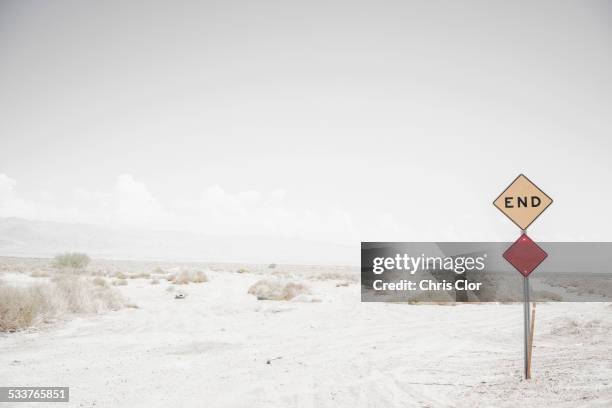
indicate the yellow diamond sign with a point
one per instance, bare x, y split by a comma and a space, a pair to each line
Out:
522, 202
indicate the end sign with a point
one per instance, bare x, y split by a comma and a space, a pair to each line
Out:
522, 202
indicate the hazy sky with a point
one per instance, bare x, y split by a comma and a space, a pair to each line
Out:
328, 120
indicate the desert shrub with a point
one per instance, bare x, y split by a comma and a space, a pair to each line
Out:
186, 277
99, 281
39, 274
74, 260
82, 296
545, 295
143, 275
155, 282
98, 273
22, 307
242, 270
19, 307
267, 289
346, 276
120, 275
120, 282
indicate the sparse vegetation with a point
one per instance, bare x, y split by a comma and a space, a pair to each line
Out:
23, 307
158, 271
345, 276
73, 260
39, 274
120, 282
186, 277
143, 275
545, 296
267, 289
584, 327
154, 281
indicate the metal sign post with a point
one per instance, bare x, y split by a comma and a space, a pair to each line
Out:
527, 331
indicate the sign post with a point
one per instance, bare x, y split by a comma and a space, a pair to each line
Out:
523, 202
531, 335
526, 329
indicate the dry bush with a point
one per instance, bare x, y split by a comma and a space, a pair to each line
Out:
143, 275
74, 260
19, 307
592, 286
267, 289
186, 277
120, 275
22, 307
99, 281
286, 275
346, 276
82, 296
39, 274
155, 282
120, 282
545, 296
242, 270
98, 273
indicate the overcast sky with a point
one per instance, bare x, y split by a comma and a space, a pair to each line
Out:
328, 120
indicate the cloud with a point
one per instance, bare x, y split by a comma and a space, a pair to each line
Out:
133, 203
7, 189
11, 205
216, 211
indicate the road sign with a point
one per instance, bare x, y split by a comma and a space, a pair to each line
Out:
525, 255
522, 202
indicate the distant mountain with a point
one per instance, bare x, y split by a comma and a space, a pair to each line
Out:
21, 237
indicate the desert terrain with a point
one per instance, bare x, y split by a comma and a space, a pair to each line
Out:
210, 343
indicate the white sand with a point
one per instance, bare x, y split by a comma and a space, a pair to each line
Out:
211, 350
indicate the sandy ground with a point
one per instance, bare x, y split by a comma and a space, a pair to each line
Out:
220, 347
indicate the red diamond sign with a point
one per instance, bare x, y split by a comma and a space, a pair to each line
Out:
525, 255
